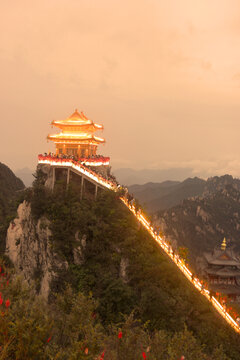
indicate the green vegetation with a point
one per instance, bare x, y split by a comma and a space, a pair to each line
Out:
70, 329
152, 289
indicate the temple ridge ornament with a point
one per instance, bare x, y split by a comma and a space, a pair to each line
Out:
224, 244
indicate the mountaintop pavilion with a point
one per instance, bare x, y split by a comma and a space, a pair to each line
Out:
77, 136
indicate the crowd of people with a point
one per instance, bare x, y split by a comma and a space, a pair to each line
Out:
106, 173
90, 158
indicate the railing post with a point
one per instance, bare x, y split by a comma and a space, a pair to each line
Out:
53, 178
82, 185
96, 191
68, 176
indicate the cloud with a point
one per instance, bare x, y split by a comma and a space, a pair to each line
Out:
204, 168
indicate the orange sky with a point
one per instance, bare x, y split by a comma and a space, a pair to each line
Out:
163, 77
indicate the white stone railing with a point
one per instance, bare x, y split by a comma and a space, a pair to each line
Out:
58, 162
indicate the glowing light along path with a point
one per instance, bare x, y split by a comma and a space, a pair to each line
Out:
78, 167
179, 262
168, 250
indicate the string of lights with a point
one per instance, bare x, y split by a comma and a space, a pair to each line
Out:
182, 266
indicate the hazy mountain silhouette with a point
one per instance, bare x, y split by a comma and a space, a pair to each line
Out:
159, 196
26, 175
129, 176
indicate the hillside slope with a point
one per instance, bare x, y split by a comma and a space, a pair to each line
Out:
108, 254
9, 186
9, 183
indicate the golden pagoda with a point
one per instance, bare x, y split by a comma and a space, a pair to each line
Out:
77, 136
224, 245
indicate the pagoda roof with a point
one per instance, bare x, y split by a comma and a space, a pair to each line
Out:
220, 257
223, 272
77, 119
225, 289
76, 137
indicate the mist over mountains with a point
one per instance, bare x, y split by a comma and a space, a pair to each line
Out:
159, 196
26, 175
165, 195
128, 176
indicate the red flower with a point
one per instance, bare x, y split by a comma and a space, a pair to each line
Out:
1, 301
120, 335
102, 356
94, 315
49, 339
144, 355
7, 303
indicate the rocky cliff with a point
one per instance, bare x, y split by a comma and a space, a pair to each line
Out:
201, 223
29, 248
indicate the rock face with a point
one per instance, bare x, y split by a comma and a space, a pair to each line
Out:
78, 252
28, 247
201, 223
48, 171
123, 269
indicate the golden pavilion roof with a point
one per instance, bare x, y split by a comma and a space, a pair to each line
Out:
76, 138
77, 120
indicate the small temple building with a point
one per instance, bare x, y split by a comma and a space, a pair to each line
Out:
222, 271
77, 136
75, 160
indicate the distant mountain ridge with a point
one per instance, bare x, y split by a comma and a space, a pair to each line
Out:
159, 196
128, 176
9, 182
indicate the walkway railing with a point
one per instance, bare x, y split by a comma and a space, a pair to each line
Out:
59, 162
